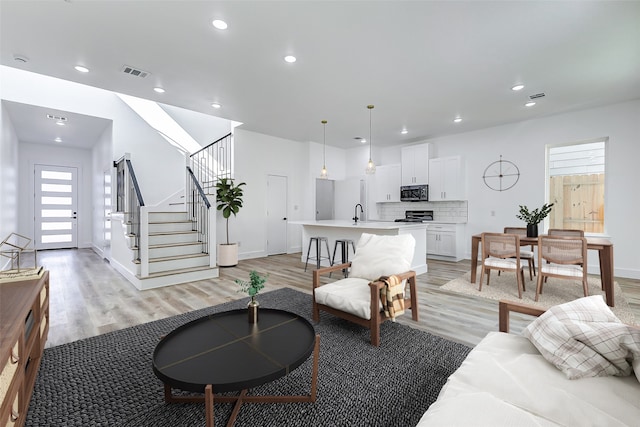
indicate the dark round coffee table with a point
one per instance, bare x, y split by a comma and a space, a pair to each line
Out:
224, 352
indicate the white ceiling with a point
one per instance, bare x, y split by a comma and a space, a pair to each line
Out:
421, 63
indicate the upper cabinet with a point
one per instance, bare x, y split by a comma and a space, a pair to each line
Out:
387, 182
445, 179
415, 164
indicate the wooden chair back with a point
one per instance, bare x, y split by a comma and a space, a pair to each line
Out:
565, 232
562, 250
499, 245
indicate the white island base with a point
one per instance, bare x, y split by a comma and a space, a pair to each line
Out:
335, 229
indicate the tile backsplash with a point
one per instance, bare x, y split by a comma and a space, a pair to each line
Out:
452, 211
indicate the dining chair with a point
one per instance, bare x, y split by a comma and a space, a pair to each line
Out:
501, 252
529, 255
564, 257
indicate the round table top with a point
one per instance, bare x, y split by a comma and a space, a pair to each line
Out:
228, 352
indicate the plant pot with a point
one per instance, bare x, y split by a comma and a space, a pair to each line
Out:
227, 255
252, 309
532, 230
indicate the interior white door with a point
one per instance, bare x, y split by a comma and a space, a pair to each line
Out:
56, 207
276, 214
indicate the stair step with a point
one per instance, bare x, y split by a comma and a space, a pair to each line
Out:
169, 263
176, 257
178, 271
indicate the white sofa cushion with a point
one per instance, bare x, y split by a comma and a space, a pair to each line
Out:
382, 255
506, 381
352, 295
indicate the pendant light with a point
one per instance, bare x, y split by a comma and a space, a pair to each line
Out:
323, 173
371, 167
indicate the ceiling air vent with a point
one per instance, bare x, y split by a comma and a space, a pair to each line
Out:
537, 95
56, 118
135, 72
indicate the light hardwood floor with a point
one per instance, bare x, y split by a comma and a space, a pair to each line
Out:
89, 298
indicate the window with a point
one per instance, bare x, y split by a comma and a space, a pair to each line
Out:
576, 174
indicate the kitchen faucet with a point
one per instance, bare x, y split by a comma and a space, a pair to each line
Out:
355, 212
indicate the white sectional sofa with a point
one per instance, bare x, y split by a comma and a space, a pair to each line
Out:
506, 381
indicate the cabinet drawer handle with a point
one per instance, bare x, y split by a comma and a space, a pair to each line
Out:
14, 416
14, 359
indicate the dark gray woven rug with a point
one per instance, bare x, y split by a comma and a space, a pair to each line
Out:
108, 381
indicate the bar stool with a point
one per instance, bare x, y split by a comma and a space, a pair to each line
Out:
344, 248
318, 242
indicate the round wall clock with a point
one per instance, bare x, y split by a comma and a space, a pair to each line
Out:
501, 175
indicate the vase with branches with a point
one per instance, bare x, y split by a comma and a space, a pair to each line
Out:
533, 217
252, 287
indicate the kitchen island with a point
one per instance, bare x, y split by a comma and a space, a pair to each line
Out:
340, 229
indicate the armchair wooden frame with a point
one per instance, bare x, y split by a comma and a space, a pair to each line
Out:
377, 315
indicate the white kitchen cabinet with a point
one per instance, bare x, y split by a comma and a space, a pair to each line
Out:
444, 241
446, 181
415, 164
387, 183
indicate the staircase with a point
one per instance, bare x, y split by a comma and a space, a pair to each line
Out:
173, 245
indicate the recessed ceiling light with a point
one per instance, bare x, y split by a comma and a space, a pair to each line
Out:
158, 89
219, 24
518, 87
530, 104
81, 69
216, 105
404, 131
60, 123
457, 120
290, 59
58, 139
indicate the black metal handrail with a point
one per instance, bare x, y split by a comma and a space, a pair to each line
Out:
213, 143
198, 210
135, 201
213, 162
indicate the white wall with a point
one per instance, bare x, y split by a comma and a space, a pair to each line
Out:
257, 156
8, 177
102, 155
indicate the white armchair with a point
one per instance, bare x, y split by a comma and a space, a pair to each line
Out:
357, 298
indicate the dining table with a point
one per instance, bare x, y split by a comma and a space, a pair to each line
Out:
603, 245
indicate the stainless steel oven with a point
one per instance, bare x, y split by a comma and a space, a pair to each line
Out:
414, 193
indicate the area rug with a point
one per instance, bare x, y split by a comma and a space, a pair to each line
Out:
108, 380
555, 291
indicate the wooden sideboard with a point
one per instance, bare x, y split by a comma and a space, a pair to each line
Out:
24, 324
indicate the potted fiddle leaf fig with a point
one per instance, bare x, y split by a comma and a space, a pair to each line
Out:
229, 201
534, 217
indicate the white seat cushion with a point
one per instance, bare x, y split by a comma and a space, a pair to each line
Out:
506, 263
351, 295
382, 255
526, 254
562, 270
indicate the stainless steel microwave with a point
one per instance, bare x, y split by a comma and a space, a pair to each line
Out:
414, 193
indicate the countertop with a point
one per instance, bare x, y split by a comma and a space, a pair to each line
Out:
379, 225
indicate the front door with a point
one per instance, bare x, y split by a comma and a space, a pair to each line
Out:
56, 207
276, 215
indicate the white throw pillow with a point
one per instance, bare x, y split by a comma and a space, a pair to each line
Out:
382, 255
583, 338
